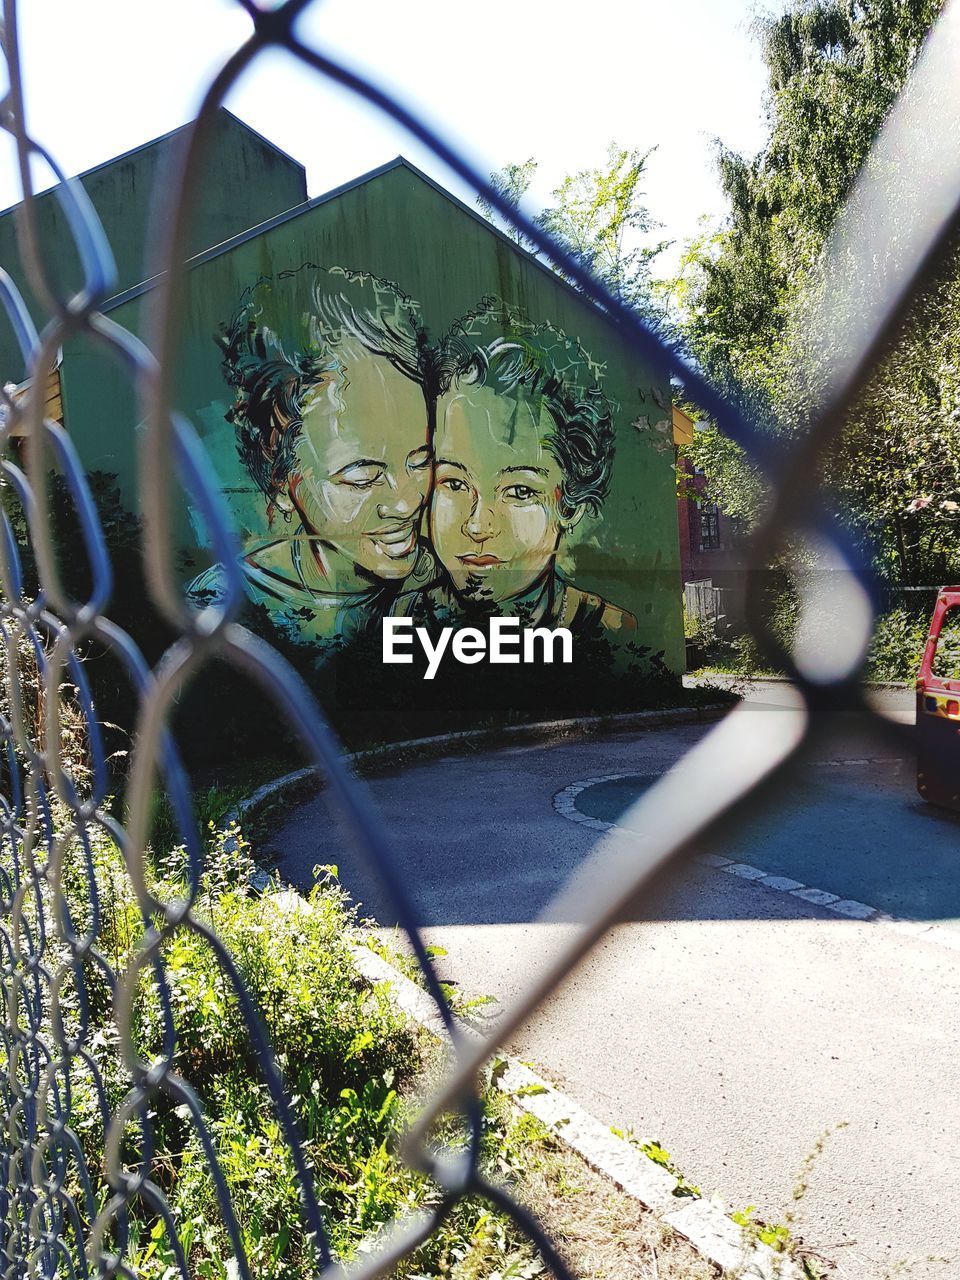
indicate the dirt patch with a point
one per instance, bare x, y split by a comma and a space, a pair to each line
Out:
603, 1233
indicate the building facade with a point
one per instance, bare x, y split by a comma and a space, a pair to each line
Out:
713, 556
407, 415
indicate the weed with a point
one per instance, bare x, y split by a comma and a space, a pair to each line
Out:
781, 1236
347, 1057
655, 1152
604, 1233
777, 1237
390, 947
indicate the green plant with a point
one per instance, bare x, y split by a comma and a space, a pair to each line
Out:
777, 1236
659, 1155
391, 950
347, 1057
701, 630
762, 307
781, 1236
897, 645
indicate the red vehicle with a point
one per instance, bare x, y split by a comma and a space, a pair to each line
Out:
938, 706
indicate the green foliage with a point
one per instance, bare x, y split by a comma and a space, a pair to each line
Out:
834, 68
946, 661
741, 655
900, 638
392, 950
895, 471
730, 479
600, 218
511, 183
777, 1236
346, 1054
897, 646
748, 295
656, 1152
895, 651
780, 1236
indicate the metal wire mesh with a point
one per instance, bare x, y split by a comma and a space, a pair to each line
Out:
54, 799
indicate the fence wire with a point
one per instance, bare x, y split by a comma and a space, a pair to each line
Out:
55, 806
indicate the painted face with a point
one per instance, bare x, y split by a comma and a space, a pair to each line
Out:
363, 469
494, 518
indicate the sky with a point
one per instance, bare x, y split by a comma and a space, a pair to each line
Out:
509, 79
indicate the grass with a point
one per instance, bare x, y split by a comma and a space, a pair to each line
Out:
603, 1233
894, 655
344, 1052
351, 1065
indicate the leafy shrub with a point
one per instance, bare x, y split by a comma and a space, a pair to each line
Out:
897, 646
895, 651
346, 1056
946, 662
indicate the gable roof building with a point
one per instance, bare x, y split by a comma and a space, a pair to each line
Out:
253, 181
256, 229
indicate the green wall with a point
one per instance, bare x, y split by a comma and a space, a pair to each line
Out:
398, 226
249, 181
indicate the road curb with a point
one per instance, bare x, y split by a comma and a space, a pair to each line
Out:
708, 676
565, 803
417, 749
701, 1222
709, 1231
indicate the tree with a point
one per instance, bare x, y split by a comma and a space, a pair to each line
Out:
598, 217
748, 298
511, 183
730, 480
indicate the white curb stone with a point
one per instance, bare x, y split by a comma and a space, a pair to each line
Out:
819, 897
565, 804
716, 1236
783, 883
745, 871
856, 910
713, 1235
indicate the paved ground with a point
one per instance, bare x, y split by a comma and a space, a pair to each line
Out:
732, 1022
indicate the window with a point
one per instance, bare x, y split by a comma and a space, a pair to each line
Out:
52, 402
709, 527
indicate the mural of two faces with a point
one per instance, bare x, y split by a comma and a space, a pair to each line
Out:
403, 476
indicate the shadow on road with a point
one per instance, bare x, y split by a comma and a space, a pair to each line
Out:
477, 840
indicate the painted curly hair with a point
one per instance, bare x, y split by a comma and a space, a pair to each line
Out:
498, 349
285, 339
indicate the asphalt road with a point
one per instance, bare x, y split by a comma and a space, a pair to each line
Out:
733, 1022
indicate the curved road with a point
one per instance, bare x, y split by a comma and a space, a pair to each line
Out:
732, 1020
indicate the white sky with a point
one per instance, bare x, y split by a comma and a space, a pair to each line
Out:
506, 79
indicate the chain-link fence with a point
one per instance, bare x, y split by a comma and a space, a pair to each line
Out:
55, 1220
